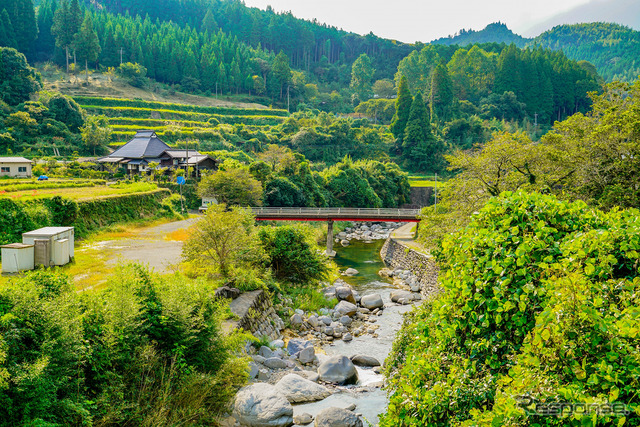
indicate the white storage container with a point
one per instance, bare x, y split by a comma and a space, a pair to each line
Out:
17, 257
56, 252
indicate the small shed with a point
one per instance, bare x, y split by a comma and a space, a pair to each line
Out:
52, 245
17, 257
15, 167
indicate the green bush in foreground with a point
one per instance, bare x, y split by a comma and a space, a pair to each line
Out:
540, 306
146, 351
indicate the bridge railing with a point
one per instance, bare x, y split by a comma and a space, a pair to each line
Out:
336, 212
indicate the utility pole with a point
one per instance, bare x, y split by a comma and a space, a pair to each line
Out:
288, 99
436, 195
121, 56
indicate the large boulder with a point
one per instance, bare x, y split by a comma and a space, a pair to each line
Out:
297, 389
350, 272
262, 405
372, 301
307, 355
296, 345
344, 293
337, 417
345, 308
400, 294
338, 370
363, 360
275, 363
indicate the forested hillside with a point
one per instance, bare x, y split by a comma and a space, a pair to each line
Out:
612, 48
454, 96
496, 32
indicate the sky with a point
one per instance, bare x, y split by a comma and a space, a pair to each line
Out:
421, 20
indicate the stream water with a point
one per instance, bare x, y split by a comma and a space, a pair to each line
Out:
369, 398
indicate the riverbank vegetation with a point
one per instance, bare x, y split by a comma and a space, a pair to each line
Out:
537, 321
146, 351
539, 308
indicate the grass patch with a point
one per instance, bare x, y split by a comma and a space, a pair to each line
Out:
424, 183
82, 193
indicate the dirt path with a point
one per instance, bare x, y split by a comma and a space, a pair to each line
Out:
406, 236
159, 247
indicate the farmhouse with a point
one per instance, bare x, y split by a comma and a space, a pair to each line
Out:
146, 147
15, 167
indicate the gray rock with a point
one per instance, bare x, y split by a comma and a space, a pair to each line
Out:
306, 355
371, 301
347, 337
364, 360
295, 345
351, 272
398, 294
344, 293
296, 320
351, 407
303, 419
313, 321
277, 344
325, 319
227, 292
344, 242
338, 370
346, 308
257, 358
263, 375
337, 417
298, 389
265, 352
253, 370
346, 320
310, 375
261, 405
275, 363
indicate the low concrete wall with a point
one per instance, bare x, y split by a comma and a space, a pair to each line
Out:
257, 314
396, 255
420, 197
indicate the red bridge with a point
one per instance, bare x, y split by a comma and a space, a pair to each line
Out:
336, 214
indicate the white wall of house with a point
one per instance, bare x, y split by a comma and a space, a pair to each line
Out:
15, 168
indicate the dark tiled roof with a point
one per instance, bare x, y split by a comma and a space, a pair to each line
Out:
181, 153
144, 144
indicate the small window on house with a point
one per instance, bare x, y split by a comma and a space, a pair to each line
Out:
22, 169
5, 169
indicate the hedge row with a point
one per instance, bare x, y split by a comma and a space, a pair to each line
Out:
138, 103
192, 200
126, 121
96, 213
17, 217
35, 185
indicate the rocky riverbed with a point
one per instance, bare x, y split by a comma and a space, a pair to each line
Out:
328, 372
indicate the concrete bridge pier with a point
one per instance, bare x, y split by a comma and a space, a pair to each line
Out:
330, 252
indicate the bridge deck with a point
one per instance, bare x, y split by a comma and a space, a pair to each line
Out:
337, 214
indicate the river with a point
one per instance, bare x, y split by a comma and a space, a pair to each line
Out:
369, 398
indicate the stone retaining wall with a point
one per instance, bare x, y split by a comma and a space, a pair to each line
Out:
261, 318
397, 255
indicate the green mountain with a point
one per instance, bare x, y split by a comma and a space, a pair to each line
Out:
496, 32
613, 49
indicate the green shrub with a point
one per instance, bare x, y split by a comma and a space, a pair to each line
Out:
292, 253
63, 211
540, 302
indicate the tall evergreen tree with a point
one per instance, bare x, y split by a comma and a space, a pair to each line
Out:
23, 20
361, 76
441, 95
282, 71
7, 35
46, 42
87, 44
421, 149
403, 109
63, 29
